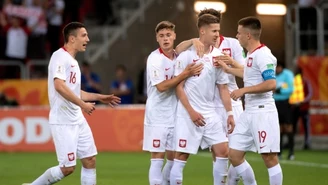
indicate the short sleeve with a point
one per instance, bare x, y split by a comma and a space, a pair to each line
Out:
59, 68
182, 62
221, 77
155, 69
238, 53
267, 64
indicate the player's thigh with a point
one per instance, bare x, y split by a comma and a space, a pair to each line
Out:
241, 138
156, 138
187, 136
266, 131
65, 138
86, 146
214, 132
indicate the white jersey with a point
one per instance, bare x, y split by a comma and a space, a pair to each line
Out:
200, 89
63, 66
160, 106
232, 47
260, 66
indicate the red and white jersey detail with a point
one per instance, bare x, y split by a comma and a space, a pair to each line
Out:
63, 66
200, 89
232, 47
258, 61
160, 106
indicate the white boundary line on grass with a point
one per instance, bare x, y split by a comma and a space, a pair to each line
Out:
295, 163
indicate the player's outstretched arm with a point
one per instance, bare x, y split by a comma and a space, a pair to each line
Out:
184, 45
197, 118
111, 99
234, 71
226, 100
191, 69
230, 61
65, 92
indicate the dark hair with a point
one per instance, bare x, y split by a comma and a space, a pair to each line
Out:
164, 25
70, 29
281, 64
85, 63
211, 11
253, 24
207, 19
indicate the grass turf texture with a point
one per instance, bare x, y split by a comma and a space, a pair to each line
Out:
309, 167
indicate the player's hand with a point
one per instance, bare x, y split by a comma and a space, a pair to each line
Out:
194, 69
111, 100
199, 46
88, 107
236, 94
197, 118
230, 124
226, 59
222, 65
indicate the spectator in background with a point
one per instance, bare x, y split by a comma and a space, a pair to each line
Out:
16, 46
122, 86
284, 89
37, 40
90, 81
72, 10
55, 10
104, 12
300, 101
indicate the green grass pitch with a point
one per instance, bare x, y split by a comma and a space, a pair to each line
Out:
309, 167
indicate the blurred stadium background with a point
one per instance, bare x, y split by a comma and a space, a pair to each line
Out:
122, 33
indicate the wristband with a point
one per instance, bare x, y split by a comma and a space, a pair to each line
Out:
230, 113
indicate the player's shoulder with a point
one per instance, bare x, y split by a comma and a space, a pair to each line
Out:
231, 40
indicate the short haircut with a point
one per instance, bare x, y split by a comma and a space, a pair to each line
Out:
164, 25
281, 64
253, 24
211, 11
207, 19
120, 67
70, 29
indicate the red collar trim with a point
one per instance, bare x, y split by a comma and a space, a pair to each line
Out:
221, 40
262, 45
64, 49
162, 52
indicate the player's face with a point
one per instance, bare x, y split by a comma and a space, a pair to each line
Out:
211, 34
165, 38
243, 36
81, 40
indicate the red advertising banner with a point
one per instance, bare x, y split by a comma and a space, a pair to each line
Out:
119, 129
26, 92
316, 70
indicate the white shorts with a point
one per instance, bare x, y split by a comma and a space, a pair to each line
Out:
72, 142
221, 111
189, 137
158, 138
257, 132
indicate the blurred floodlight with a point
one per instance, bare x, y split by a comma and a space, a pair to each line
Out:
201, 5
270, 9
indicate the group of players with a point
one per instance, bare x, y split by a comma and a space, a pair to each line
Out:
194, 101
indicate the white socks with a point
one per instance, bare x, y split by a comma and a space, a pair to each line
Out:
155, 172
246, 172
220, 171
166, 172
176, 174
275, 174
88, 176
233, 177
50, 176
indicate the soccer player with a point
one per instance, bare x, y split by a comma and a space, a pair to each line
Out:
197, 122
71, 133
161, 104
233, 56
258, 130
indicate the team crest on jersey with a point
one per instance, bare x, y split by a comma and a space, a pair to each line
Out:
156, 143
71, 156
227, 51
249, 62
182, 143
